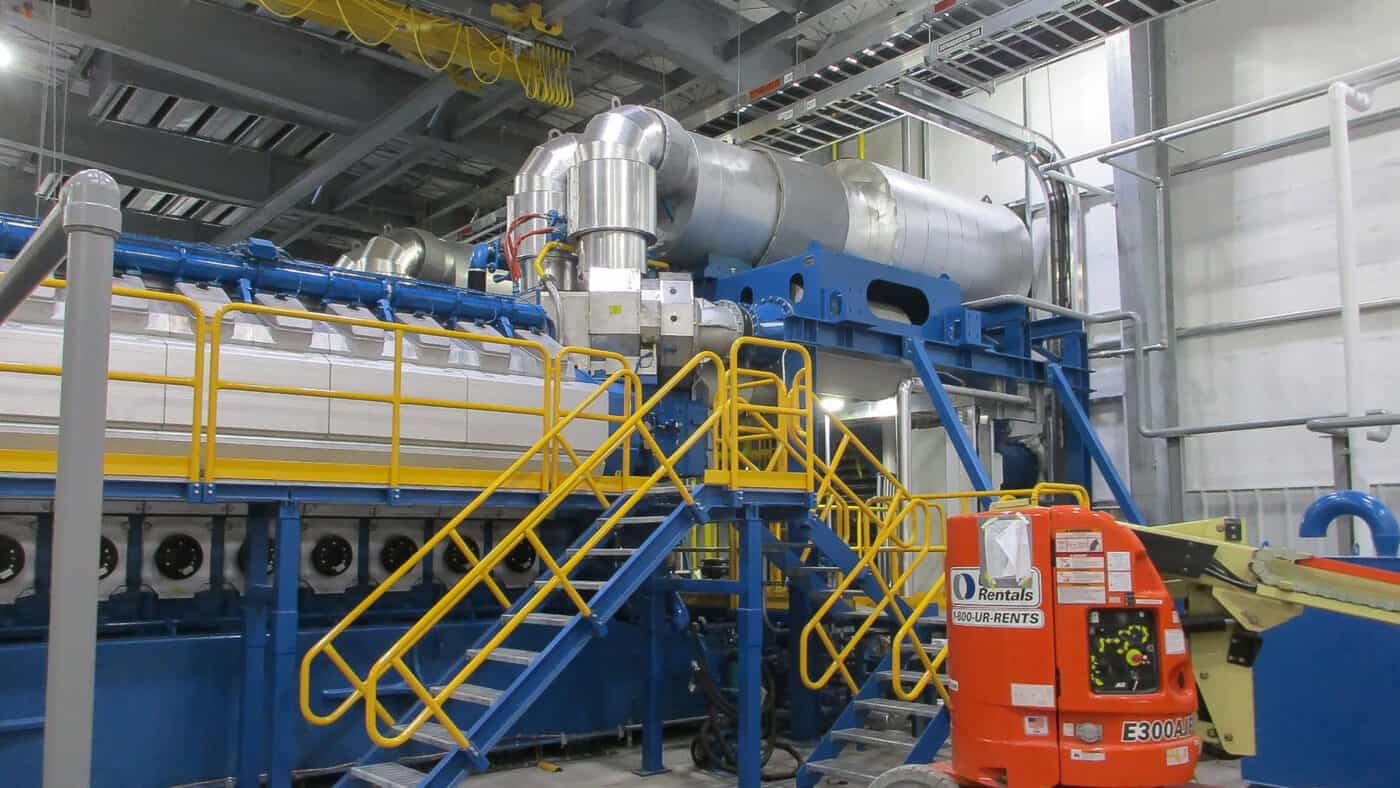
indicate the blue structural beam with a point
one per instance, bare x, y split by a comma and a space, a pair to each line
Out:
943, 404
754, 529
1078, 419
260, 266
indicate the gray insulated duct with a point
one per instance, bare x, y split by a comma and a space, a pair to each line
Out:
636, 179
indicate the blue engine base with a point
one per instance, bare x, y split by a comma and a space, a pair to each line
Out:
167, 708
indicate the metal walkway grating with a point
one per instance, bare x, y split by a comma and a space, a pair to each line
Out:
978, 45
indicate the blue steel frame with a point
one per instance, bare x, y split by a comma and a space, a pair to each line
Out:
826, 301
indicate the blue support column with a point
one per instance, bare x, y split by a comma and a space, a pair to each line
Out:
253, 711
1078, 418
653, 720
948, 415
804, 703
750, 630
286, 587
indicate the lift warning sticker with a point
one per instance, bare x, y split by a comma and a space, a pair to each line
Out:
1079, 542
976, 604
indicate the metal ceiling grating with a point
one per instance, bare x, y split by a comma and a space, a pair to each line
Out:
978, 45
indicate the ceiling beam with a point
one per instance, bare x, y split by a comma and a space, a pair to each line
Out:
160, 160
778, 27
17, 196
286, 68
389, 125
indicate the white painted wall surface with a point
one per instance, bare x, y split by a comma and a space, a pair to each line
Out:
1259, 238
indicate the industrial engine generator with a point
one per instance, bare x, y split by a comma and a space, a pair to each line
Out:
1068, 660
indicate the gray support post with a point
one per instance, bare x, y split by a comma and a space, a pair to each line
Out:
1137, 104
92, 220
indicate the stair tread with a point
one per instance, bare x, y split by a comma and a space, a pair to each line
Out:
431, 733
778, 547
933, 646
581, 585
909, 675
605, 552
642, 519
899, 706
544, 619
472, 693
895, 740
515, 656
388, 775
846, 770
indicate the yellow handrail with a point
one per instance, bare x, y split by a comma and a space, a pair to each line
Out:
524, 530
325, 645
396, 399
194, 381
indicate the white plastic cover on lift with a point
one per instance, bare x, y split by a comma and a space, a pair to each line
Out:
1006, 551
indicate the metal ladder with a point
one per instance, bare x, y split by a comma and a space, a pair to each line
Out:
536, 654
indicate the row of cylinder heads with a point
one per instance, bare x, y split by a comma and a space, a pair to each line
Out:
155, 337
176, 552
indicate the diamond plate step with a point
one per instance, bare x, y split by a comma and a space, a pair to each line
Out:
388, 775
642, 519
604, 552
581, 585
846, 771
783, 547
515, 656
890, 740
543, 619
472, 693
907, 676
431, 733
899, 707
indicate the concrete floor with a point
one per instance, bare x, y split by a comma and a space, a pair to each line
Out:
615, 768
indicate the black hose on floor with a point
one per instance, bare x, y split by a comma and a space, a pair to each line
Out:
713, 747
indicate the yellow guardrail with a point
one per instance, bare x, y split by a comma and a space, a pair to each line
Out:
24, 460
479, 573
969, 500
791, 405
393, 474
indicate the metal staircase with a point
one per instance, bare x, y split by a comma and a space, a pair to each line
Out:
526, 669
866, 736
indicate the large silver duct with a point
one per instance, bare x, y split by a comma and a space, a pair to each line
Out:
717, 199
413, 253
540, 187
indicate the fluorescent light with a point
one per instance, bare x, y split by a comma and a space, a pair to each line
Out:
7, 55
833, 404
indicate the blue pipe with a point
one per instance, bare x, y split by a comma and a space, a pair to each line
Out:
1385, 531
261, 266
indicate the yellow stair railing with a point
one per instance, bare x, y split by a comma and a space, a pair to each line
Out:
524, 531
790, 403
549, 443
893, 537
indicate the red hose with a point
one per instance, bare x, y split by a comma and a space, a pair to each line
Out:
515, 246
508, 248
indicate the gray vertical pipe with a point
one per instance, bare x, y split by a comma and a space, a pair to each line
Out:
92, 220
